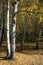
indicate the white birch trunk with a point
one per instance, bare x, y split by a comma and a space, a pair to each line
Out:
14, 30
8, 34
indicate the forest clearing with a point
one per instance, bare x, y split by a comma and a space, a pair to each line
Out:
21, 32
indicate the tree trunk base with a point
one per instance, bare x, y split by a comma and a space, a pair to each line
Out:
8, 58
37, 47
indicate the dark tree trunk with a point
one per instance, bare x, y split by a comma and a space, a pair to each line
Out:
21, 45
1, 37
37, 47
2, 29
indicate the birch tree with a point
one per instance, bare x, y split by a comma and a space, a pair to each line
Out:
14, 30
8, 31
11, 50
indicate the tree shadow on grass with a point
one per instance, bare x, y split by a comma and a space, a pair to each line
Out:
30, 50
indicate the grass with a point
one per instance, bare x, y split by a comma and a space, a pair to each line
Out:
28, 56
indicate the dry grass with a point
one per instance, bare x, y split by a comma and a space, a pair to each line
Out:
25, 57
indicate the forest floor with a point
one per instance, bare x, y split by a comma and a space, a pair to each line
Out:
28, 56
